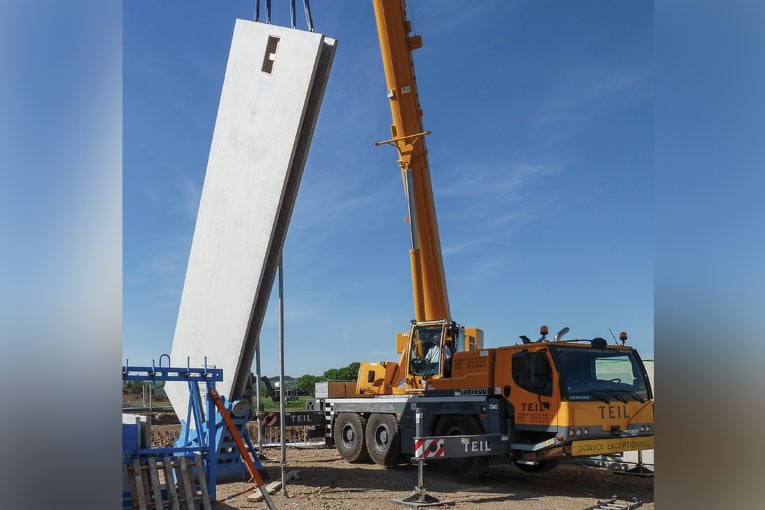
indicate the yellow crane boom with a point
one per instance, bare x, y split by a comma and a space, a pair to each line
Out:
431, 301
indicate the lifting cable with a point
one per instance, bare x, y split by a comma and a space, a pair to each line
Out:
306, 10
308, 18
268, 11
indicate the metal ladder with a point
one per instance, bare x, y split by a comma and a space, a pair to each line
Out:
614, 504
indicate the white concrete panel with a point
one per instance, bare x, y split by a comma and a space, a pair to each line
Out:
274, 83
285, 210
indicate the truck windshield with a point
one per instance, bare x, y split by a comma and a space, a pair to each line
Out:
600, 374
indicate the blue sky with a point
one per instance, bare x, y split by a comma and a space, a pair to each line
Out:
541, 159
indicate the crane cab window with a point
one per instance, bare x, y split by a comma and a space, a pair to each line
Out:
458, 343
425, 350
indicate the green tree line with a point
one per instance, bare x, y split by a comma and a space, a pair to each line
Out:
305, 383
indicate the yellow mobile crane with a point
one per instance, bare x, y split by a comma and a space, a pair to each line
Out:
532, 403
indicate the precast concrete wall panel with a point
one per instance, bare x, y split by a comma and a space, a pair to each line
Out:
272, 91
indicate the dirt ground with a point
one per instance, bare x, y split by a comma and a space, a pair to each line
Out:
328, 482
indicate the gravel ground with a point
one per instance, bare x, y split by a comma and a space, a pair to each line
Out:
328, 482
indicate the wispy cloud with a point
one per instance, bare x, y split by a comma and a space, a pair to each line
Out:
330, 201
488, 234
190, 193
152, 194
161, 274
476, 180
586, 93
502, 202
179, 196
446, 16
482, 270
452, 248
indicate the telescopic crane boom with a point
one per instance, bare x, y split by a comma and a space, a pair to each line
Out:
431, 301
433, 336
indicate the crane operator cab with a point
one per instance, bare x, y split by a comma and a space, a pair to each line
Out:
432, 345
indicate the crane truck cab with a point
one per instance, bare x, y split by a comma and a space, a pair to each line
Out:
575, 398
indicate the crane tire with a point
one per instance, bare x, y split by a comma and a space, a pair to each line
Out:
542, 466
464, 468
349, 437
383, 439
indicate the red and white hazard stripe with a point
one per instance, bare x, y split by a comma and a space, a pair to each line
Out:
270, 419
428, 448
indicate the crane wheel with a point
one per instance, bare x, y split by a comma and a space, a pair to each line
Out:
464, 468
384, 439
349, 437
542, 466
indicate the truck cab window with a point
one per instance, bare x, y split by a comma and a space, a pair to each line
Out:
532, 372
589, 373
614, 369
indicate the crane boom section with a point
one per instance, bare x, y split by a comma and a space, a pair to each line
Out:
431, 301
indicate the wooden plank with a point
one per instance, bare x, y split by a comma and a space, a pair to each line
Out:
146, 488
202, 482
270, 488
186, 488
274, 486
139, 497
155, 486
179, 483
133, 486
172, 495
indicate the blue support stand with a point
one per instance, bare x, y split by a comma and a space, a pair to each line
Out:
229, 466
203, 430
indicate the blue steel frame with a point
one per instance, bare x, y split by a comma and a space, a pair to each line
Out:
194, 376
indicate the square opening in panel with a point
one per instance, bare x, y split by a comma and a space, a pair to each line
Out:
270, 56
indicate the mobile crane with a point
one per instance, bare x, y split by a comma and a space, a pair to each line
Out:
533, 403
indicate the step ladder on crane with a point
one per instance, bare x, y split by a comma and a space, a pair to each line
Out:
615, 504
